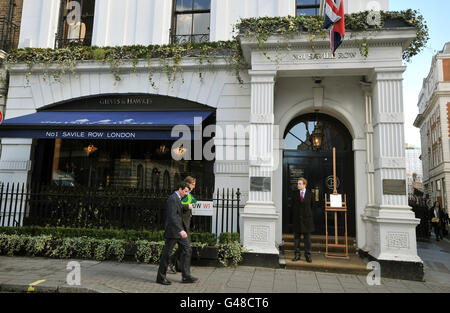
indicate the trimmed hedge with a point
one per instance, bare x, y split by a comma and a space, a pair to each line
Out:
128, 235
106, 244
66, 248
99, 249
229, 237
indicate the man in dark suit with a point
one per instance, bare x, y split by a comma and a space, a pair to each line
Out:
303, 204
175, 259
175, 232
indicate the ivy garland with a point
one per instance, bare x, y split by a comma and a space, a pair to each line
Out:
170, 56
288, 27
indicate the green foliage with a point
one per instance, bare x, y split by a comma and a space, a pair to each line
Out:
170, 56
11, 244
120, 234
229, 237
288, 27
230, 252
148, 252
208, 238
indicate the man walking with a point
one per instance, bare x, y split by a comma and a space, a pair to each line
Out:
175, 232
175, 259
302, 204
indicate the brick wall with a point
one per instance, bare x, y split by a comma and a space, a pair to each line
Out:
446, 65
17, 16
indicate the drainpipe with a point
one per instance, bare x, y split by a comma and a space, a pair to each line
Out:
3, 86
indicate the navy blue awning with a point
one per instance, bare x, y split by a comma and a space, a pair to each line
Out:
100, 125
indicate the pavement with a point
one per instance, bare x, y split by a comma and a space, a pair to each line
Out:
18, 274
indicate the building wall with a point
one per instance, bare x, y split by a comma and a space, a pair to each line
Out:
434, 100
147, 22
17, 14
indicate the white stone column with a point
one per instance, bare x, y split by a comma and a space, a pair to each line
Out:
391, 224
260, 215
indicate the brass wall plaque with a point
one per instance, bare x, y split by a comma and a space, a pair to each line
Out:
394, 187
260, 184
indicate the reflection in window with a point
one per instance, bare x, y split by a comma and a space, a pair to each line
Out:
166, 180
76, 23
308, 7
191, 21
155, 179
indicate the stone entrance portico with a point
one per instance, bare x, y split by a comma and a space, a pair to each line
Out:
365, 94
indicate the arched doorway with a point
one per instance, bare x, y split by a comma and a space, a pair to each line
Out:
302, 158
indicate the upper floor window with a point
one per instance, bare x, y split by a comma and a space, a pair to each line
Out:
308, 7
191, 21
76, 23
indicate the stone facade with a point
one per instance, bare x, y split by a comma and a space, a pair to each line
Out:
364, 94
434, 122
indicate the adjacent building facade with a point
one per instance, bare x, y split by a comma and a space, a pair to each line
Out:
354, 103
433, 122
414, 173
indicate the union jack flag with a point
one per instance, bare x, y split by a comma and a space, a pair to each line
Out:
335, 22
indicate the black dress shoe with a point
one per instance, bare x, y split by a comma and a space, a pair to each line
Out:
171, 269
163, 282
296, 258
308, 258
189, 280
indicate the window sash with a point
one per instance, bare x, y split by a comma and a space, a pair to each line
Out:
86, 18
301, 6
189, 32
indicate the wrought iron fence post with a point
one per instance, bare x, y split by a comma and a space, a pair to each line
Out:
238, 195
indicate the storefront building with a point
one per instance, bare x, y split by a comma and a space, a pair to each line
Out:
432, 120
354, 102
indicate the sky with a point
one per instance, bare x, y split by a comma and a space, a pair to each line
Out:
435, 13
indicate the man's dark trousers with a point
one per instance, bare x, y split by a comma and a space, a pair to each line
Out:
186, 253
307, 242
175, 259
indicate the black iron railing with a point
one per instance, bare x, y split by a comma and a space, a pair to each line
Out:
144, 209
9, 34
197, 38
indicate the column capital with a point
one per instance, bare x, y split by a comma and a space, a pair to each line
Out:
262, 76
388, 73
366, 87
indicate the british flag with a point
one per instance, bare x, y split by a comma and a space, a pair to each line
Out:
335, 22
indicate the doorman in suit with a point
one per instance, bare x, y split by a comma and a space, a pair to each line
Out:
176, 232
303, 204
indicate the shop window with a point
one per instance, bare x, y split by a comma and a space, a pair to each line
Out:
112, 164
140, 176
76, 23
155, 179
166, 180
308, 7
176, 180
191, 21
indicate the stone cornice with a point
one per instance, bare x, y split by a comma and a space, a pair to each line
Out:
432, 101
380, 38
188, 63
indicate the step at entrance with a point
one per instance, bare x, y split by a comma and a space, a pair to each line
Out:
320, 263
